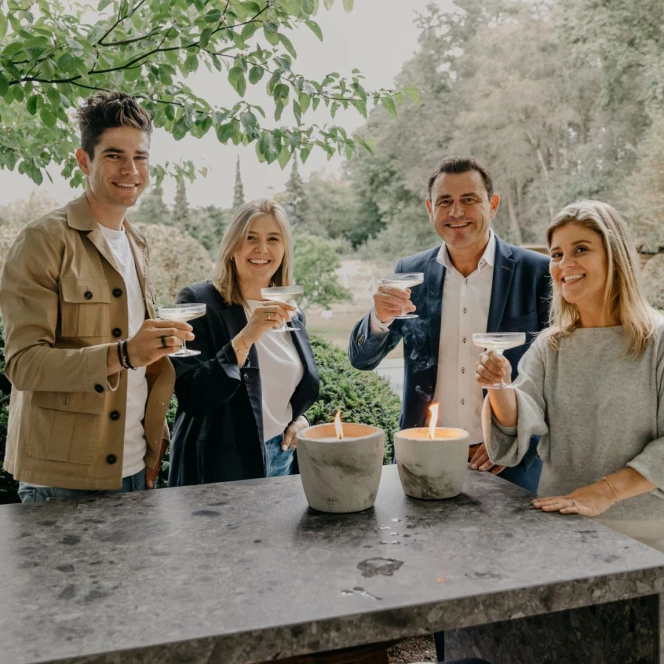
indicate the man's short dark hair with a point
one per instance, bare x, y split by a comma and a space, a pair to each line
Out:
462, 165
108, 110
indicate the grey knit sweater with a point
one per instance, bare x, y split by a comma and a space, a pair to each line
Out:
596, 411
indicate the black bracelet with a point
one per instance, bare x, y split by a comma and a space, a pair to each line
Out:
126, 355
122, 364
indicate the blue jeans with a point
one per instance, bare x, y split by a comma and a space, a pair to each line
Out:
39, 494
277, 462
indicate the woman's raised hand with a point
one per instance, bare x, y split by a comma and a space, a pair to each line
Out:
492, 368
266, 316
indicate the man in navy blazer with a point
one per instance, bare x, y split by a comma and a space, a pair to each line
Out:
475, 282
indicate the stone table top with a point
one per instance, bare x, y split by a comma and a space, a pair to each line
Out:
244, 571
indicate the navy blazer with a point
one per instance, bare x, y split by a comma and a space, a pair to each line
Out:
520, 296
218, 432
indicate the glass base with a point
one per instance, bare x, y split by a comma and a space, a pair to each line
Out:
287, 329
404, 316
185, 352
500, 386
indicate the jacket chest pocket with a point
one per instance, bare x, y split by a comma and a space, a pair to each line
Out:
85, 305
64, 426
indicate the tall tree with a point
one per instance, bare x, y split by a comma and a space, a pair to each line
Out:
181, 212
152, 209
52, 54
238, 191
296, 198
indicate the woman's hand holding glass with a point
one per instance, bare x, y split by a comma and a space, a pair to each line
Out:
266, 316
492, 368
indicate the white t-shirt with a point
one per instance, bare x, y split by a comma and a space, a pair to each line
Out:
281, 372
135, 445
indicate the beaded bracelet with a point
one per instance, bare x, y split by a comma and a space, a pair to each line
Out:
126, 355
122, 364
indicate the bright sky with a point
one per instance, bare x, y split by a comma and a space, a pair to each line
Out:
377, 37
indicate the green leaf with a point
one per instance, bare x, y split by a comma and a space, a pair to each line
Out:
47, 116
389, 104
281, 91
373, 148
328, 4
315, 28
4, 86
304, 100
225, 132
255, 74
205, 37
53, 96
237, 80
413, 93
287, 44
103, 4
348, 5
304, 154
284, 157
12, 49
213, 16
133, 73
34, 103
17, 92
269, 146
249, 30
360, 105
249, 124
3, 26
271, 32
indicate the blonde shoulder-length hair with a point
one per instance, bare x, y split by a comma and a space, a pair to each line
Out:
224, 275
624, 300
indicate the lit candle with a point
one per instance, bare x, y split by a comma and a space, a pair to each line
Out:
340, 465
432, 461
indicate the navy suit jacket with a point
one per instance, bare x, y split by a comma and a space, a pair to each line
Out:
520, 297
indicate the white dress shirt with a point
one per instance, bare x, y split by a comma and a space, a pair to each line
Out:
464, 311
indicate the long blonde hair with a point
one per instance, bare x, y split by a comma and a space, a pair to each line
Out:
624, 300
224, 275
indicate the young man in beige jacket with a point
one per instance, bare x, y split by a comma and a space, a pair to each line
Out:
88, 364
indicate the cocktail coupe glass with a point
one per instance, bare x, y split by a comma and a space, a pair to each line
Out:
500, 342
283, 294
182, 312
403, 280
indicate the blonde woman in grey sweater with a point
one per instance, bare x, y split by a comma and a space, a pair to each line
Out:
591, 385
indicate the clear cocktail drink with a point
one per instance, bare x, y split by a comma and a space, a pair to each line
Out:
182, 312
499, 342
403, 280
283, 294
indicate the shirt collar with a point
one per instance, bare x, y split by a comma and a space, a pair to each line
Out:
488, 257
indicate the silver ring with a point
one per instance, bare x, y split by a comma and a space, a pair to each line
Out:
163, 342
573, 503
269, 315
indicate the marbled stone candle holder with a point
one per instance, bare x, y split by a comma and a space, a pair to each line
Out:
432, 468
340, 475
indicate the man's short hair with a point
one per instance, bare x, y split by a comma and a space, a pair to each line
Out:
108, 110
462, 165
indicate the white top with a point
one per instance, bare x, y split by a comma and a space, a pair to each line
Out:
465, 311
135, 445
281, 372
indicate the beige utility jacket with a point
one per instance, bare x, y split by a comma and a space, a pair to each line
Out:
63, 301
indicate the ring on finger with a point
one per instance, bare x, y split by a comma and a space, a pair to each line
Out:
269, 315
163, 341
573, 503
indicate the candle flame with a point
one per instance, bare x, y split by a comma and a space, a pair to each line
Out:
433, 409
337, 425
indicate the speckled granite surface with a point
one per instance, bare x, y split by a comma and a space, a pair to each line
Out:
244, 572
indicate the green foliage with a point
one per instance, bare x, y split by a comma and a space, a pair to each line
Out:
238, 190
559, 99
363, 397
52, 55
296, 199
316, 262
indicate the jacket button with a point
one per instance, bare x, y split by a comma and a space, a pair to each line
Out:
87, 295
114, 415
245, 376
117, 292
111, 459
99, 388
430, 386
361, 340
117, 332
